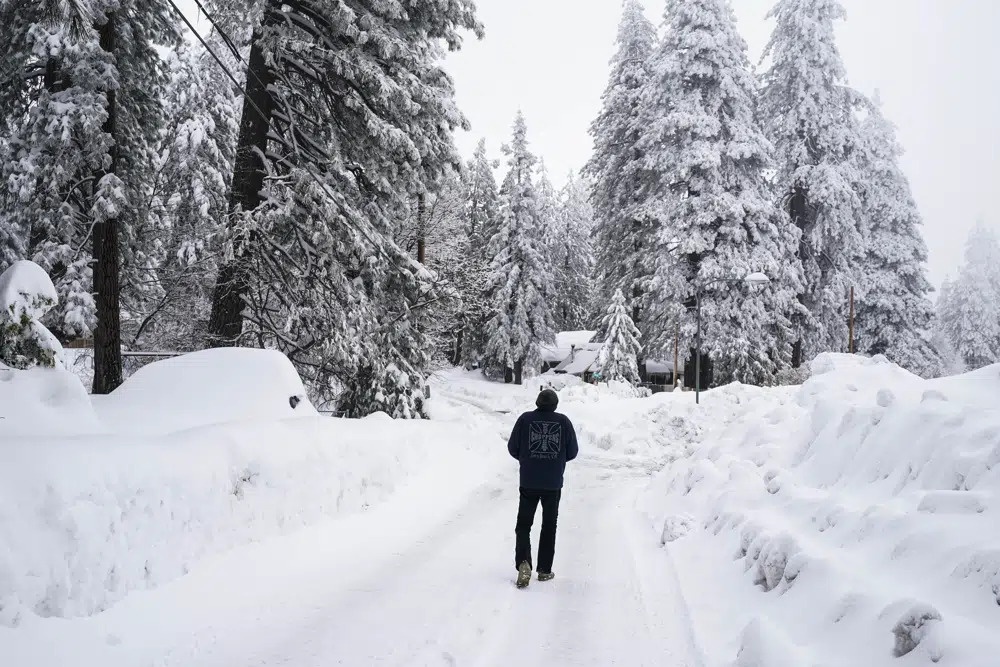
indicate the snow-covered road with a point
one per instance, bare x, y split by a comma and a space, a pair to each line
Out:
850, 521
446, 598
425, 578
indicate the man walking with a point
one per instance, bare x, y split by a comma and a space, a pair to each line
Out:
543, 441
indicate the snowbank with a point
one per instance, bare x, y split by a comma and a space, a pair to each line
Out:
85, 521
192, 456
851, 521
43, 402
207, 387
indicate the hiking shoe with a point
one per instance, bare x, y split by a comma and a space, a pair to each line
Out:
546, 576
523, 574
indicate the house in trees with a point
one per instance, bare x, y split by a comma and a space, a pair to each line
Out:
578, 353
565, 344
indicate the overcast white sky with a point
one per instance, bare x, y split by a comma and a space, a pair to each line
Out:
935, 63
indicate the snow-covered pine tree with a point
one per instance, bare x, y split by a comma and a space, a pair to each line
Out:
520, 277
482, 223
26, 294
623, 238
940, 337
446, 253
894, 312
354, 117
808, 113
549, 228
82, 101
717, 220
52, 109
618, 357
573, 257
970, 306
483, 200
187, 204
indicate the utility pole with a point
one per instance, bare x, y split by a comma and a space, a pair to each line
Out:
851, 326
225, 324
697, 358
677, 342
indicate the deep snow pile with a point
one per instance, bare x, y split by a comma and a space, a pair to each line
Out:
207, 387
43, 402
851, 521
85, 520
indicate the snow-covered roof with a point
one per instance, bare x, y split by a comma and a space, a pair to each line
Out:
658, 367
579, 363
565, 341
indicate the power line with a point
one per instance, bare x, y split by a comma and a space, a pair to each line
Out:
222, 33
302, 163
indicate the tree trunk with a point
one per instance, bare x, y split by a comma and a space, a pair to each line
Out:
797, 353
232, 284
421, 228
456, 354
508, 375
800, 212
519, 372
107, 288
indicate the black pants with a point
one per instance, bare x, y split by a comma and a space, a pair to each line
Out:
526, 516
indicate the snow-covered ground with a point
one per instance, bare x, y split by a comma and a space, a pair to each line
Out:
852, 521
834, 524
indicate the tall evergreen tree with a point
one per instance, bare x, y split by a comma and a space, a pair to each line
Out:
970, 307
187, 204
623, 236
940, 336
718, 223
83, 102
53, 109
809, 115
894, 312
483, 200
573, 257
349, 116
482, 223
621, 349
521, 277
446, 254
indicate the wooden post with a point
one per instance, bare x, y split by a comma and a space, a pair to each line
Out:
851, 327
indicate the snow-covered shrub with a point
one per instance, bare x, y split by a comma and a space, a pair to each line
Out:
26, 294
913, 628
392, 390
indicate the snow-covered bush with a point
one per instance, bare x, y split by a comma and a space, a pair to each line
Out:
26, 294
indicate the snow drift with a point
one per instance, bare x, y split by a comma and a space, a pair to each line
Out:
91, 510
207, 387
44, 402
852, 521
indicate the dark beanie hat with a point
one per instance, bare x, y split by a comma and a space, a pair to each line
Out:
547, 399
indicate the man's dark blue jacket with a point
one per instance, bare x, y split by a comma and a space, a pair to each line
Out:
543, 441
